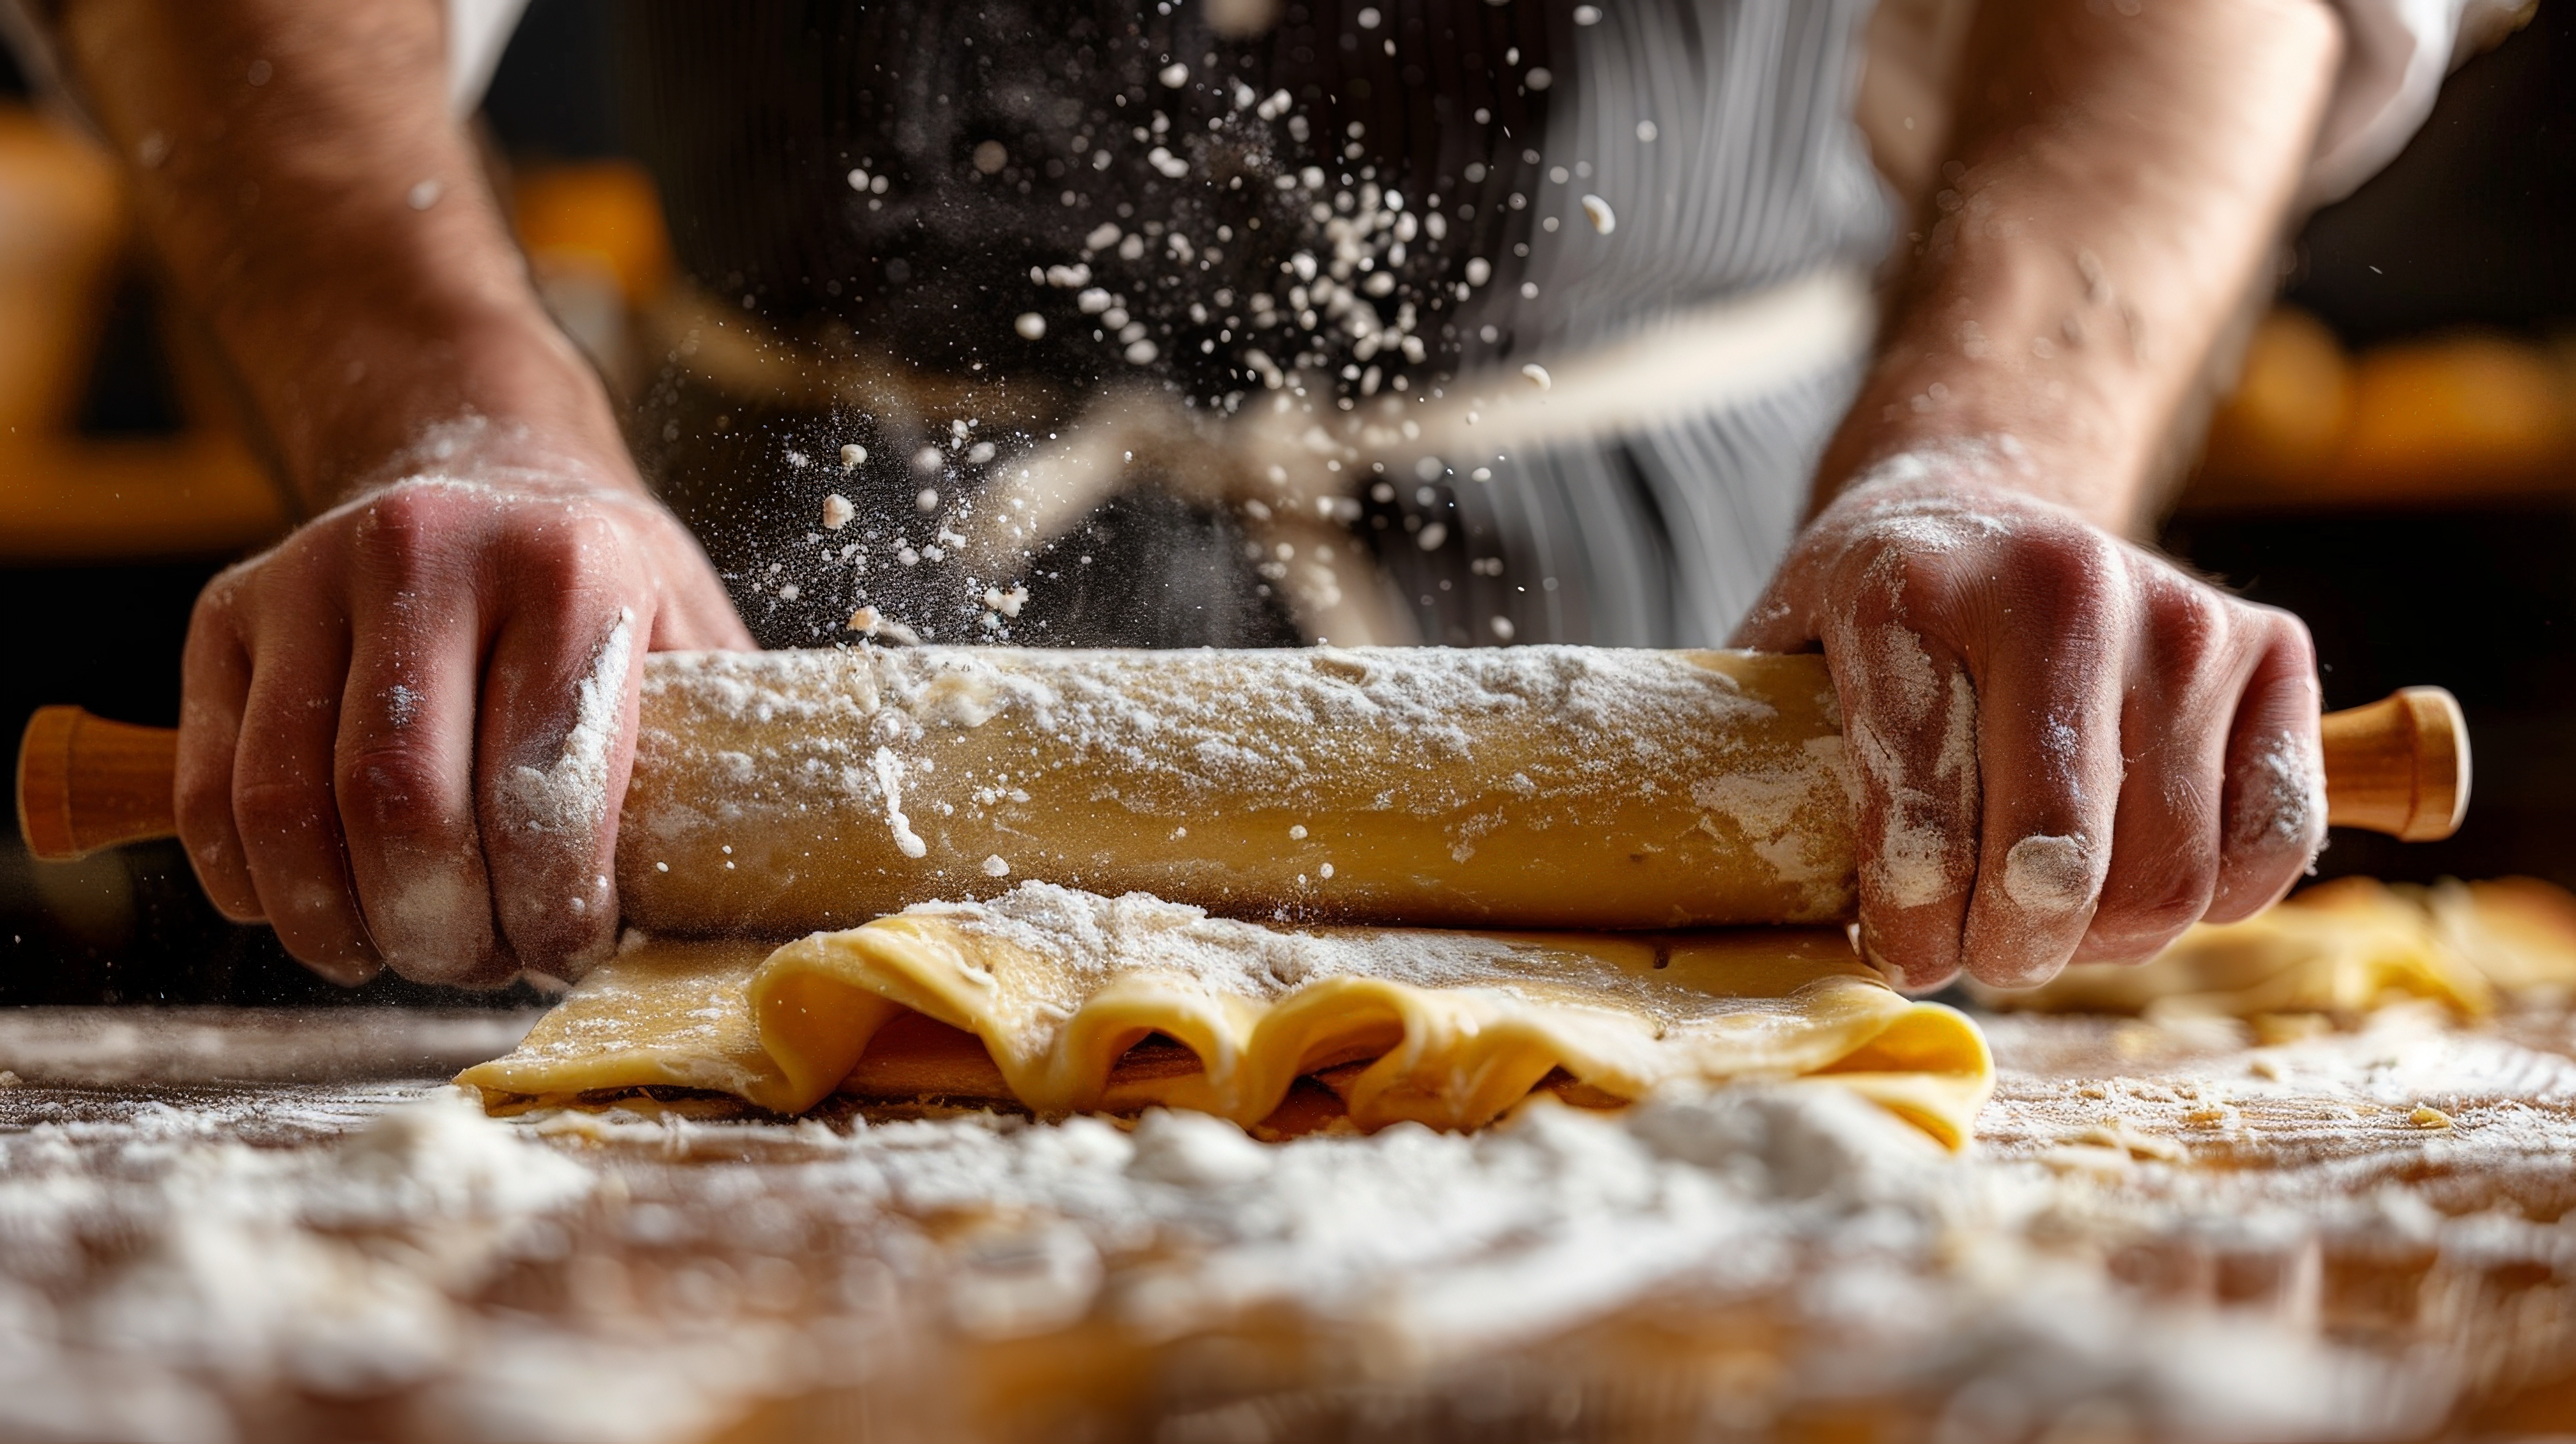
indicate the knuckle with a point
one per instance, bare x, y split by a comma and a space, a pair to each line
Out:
331, 953
574, 545
406, 535
219, 599
490, 969
1913, 586
420, 505
202, 808
2065, 570
1919, 577
2251, 880
559, 950
2195, 633
265, 808
216, 621
2288, 636
2272, 833
314, 920
397, 789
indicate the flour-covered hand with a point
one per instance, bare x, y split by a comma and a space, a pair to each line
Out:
406, 728
2064, 748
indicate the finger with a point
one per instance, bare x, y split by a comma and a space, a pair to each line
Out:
214, 675
1910, 721
405, 763
2275, 799
556, 746
282, 778
2052, 654
2173, 728
692, 612
1774, 624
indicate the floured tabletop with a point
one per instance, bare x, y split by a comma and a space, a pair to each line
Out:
285, 1226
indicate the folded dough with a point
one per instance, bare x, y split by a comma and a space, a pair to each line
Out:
2343, 947
1061, 987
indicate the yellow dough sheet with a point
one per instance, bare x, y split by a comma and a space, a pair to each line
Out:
2343, 947
1061, 988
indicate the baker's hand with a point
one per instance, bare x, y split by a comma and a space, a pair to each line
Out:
2065, 748
406, 730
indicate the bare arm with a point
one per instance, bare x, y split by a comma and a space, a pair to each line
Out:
307, 192
376, 711
2066, 747
2120, 187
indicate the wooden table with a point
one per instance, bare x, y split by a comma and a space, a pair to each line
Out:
276, 1226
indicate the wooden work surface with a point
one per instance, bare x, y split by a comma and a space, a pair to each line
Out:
271, 1225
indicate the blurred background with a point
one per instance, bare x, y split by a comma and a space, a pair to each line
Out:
2397, 465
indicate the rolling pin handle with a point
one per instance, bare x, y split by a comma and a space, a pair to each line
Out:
2399, 766
85, 783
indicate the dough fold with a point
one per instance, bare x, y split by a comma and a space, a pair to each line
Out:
2343, 948
1068, 1002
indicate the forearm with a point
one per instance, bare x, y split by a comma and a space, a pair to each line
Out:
297, 172
2119, 188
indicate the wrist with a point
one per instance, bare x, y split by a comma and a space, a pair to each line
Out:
380, 393
1984, 472
2098, 466
2002, 348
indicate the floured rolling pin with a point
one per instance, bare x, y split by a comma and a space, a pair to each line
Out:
1555, 787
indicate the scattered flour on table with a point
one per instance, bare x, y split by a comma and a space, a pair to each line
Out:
241, 1270
346, 1256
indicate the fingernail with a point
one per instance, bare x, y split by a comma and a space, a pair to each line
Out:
2046, 873
1904, 980
1869, 953
344, 972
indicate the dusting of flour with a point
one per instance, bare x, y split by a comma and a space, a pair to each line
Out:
569, 796
2159, 1228
1099, 939
804, 762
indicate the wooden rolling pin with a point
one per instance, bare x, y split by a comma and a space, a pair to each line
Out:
1538, 787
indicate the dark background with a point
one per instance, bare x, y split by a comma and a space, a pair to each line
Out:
2474, 225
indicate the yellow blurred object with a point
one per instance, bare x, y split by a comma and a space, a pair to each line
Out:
601, 216
599, 254
69, 499
2469, 407
2342, 949
2519, 932
2468, 415
62, 227
2291, 404
64, 497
